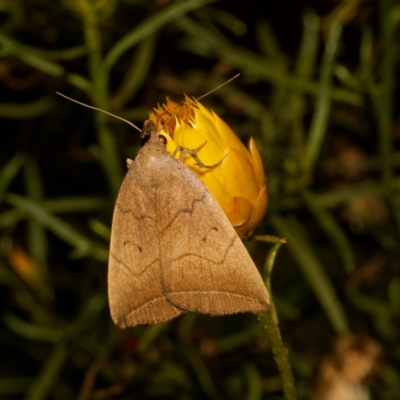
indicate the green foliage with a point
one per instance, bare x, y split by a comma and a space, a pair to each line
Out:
318, 93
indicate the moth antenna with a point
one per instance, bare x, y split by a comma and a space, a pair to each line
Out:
199, 98
99, 109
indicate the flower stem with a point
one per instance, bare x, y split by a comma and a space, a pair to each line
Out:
269, 239
280, 353
269, 323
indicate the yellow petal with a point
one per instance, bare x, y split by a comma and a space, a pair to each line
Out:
238, 182
239, 175
259, 210
257, 163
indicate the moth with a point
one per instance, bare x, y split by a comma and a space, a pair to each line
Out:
172, 248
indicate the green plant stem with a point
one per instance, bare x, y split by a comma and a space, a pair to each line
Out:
107, 153
39, 59
269, 323
29, 110
173, 12
258, 67
269, 264
324, 98
49, 373
385, 109
136, 73
303, 252
93, 42
280, 353
268, 239
82, 245
37, 238
332, 228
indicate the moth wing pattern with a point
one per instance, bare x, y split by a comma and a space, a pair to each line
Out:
135, 291
205, 266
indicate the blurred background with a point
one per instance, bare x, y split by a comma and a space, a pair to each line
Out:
317, 92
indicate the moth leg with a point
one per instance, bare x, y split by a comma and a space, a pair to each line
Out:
185, 151
193, 154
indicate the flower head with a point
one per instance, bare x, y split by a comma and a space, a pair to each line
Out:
237, 181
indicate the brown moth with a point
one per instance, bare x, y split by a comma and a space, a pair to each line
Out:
172, 248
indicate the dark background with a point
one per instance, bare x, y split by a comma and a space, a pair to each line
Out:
318, 93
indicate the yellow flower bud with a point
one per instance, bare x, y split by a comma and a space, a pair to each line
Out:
238, 182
